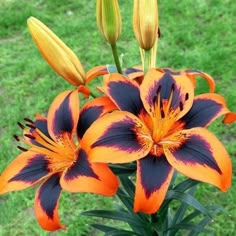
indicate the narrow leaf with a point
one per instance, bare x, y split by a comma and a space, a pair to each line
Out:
188, 199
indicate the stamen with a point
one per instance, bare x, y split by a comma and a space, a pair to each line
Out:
29, 136
186, 96
29, 120
31, 126
22, 149
21, 126
16, 138
181, 106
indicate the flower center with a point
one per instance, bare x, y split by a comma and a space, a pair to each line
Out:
165, 115
60, 152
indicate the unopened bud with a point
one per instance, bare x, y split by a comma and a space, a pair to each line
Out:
145, 22
109, 19
58, 55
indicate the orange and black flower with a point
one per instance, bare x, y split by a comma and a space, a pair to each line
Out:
56, 160
162, 126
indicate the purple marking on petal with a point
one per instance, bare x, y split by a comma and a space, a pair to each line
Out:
153, 171
126, 96
81, 167
132, 70
165, 86
172, 72
49, 193
36, 168
201, 113
42, 126
196, 151
122, 135
63, 120
87, 117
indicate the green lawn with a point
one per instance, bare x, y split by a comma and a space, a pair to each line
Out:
197, 34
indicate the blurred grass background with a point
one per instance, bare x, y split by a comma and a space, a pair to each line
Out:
198, 34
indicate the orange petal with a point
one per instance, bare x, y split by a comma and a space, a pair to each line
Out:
174, 89
96, 71
63, 114
84, 176
124, 93
120, 133
229, 118
201, 156
84, 90
192, 74
153, 178
46, 204
205, 109
91, 111
25, 171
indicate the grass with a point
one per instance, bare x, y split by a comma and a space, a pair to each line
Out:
195, 34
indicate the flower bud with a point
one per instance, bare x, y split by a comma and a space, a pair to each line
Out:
109, 19
145, 22
58, 55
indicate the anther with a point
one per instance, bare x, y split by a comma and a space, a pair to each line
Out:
159, 33
22, 149
158, 89
161, 104
173, 87
29, 136
162, 114
181, 106
186, 96
16, 138
154, 99
21, 126
29, 120
31, 126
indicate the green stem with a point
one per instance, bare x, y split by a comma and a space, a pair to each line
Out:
92, 94
116, 58
154, 220
146, 61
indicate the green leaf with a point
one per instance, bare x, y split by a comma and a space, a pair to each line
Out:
115, 215
121, 233
126, 200
125, 169
185, 185
189, 226
128, 186
112, 231
201, 225
137, 225
188, 199
179, 214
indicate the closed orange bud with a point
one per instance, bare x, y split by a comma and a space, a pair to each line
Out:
109, 19
58, 55
145, 22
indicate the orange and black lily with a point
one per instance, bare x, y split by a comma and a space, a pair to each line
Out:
56, 160
162, 126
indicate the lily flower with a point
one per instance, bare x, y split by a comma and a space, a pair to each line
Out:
162, 126
56, 160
